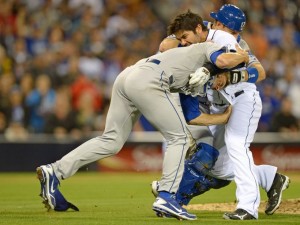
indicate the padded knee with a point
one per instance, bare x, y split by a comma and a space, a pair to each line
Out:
204, 159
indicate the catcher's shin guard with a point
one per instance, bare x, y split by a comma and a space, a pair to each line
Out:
204, 158
194, 183
195, 180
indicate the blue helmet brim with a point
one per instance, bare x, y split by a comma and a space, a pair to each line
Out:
214, 15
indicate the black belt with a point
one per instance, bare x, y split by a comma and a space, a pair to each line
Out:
222, 104
238, 93
156, 61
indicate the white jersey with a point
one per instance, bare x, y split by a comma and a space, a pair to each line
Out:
228, 41
235, 156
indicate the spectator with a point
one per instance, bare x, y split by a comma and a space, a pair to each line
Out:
271, 104
86, 113
81, 85
91, 66
6, 84
26, 84
102, 37
284, 120
3, 124
16, 132
62, 121
40, 103
20, 56
18, 113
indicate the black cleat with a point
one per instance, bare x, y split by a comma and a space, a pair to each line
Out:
280, 183
239, 214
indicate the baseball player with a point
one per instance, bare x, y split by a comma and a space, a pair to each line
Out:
240, 130
143, 89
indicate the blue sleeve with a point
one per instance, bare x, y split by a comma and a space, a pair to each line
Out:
34, 98
190, 107
214, 56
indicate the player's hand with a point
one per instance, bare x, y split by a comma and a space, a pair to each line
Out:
242, 52
199, 78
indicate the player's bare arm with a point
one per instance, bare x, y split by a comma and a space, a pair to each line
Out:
221, 62
168, 43
261, 71
212, 119
230, 60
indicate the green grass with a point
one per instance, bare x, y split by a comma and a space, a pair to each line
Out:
113, 199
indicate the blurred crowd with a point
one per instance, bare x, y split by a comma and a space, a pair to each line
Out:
59, 58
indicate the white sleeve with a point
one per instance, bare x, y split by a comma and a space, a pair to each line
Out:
225, 39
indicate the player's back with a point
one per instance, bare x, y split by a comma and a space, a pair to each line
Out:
181, 62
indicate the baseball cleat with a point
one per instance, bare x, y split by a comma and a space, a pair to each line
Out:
239, 214
166, 206
163, 215
52, 197
154, 188
280, 183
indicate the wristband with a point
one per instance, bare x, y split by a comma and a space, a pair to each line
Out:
252, 75
236, 76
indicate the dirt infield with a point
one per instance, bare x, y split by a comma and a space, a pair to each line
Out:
291, 206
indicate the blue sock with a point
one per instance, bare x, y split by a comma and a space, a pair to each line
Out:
164, 194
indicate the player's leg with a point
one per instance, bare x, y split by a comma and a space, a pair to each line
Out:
161, 111
195, 180
120, 118
239, 133
274, 184
267, 177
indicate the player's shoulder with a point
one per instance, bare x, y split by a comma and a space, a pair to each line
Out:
204, 44
208, 46
220, 34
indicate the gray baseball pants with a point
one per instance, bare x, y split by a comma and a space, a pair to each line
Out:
140, 89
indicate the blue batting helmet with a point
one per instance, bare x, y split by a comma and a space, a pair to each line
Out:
231, 16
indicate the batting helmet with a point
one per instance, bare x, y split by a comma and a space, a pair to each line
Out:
231, 16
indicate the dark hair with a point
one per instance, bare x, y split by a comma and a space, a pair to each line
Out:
185, 21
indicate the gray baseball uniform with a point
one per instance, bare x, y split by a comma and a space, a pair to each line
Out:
144, 88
